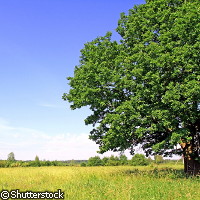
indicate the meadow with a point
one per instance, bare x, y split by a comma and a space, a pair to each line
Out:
105, 183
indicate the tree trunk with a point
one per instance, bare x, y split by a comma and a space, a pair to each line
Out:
191, 157
191, 151
191, 166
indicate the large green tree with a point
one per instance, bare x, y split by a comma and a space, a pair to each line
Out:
144, 89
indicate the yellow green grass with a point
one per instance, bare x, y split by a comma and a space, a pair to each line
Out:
109, 183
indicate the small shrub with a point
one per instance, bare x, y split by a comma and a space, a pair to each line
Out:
25, 164
3, 163
123, 160
95, 161
16, 164
83, 164
139, 160
105, 161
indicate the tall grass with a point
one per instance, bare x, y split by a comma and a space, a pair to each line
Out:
105, 183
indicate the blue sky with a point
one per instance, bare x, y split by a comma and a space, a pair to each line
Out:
40, 43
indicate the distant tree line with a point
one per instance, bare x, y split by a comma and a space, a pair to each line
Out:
136, 160
12, 162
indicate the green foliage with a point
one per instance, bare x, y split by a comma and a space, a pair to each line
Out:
123, 159
47, 163
108, 161
113, 161
149, 160
16, 164
105, 161
56, 163
143, 90
3, 163
37, 161
158, 159
139, 160
72, 163
94, 161
11, 157
25, 164
83, 164
159, 173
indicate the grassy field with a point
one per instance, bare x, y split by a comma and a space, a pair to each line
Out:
109, 183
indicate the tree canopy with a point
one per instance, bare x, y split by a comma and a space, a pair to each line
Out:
11, 157
144, 89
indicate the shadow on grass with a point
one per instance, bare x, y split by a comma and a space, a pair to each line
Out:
159, 173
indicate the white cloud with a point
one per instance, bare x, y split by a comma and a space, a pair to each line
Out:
27, 143
49, 105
